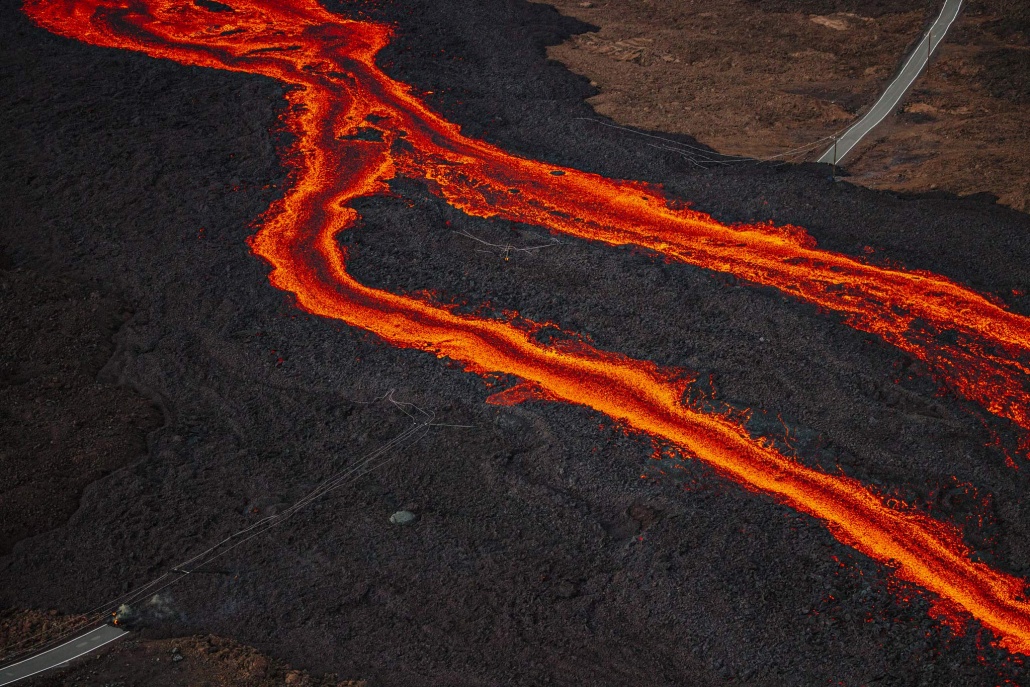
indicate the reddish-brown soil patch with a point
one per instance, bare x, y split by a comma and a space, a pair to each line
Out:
758, 79
738, 77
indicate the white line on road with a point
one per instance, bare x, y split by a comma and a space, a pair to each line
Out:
61, 654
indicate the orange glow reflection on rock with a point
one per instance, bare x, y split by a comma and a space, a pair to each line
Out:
331, 62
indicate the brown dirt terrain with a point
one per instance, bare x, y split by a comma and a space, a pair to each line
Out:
759, 79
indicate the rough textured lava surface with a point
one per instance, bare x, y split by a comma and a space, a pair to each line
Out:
692, 425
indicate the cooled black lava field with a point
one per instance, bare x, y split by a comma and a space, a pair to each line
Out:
550, 547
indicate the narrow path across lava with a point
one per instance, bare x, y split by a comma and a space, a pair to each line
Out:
339, 90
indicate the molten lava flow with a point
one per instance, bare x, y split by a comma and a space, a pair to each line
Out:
340, 90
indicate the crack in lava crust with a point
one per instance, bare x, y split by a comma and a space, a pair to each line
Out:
339, 89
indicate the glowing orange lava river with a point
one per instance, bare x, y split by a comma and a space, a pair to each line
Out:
338, 88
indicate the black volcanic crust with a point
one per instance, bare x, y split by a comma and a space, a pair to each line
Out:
540, 556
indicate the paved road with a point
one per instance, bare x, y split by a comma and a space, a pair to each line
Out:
61, 654
914, 66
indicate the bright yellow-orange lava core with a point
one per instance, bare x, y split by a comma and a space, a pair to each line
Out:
339, 89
